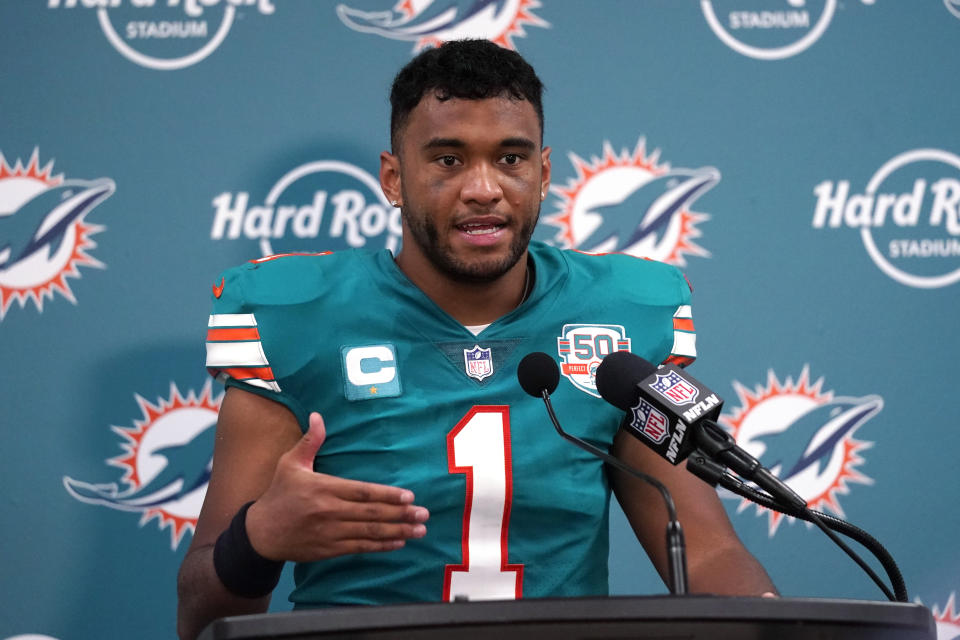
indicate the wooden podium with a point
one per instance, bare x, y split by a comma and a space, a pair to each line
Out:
660, 617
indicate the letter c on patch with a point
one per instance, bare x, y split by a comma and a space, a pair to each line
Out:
368, 365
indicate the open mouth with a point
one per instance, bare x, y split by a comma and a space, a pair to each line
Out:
480, 228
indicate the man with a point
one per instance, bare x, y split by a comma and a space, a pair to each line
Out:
412, 365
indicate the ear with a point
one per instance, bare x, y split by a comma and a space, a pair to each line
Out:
390, 177
544, 172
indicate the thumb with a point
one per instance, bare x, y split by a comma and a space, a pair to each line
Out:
306, 448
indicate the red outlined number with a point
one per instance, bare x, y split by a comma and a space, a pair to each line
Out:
479, 447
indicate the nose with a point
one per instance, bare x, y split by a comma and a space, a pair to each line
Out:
481, 185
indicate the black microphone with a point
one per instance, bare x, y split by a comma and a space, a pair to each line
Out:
538, 372
539, 375
674, 414
628, 382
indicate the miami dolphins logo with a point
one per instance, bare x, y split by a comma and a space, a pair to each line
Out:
430, 23
805, 436
44, 236
630, 203
947, 619
166, 462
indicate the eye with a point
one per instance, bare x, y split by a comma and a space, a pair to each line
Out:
511, 159
448, 161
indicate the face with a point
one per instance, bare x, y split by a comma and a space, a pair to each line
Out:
470, 175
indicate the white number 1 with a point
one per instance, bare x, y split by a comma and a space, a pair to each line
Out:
479, 447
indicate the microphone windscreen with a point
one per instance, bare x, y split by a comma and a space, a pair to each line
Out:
618, 376
536, 372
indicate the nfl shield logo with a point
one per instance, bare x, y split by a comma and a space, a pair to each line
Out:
675, 388
478, 362
650, 422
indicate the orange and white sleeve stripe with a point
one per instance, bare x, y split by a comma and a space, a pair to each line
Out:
684, 349
234, 351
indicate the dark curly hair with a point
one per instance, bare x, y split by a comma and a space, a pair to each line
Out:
470, 69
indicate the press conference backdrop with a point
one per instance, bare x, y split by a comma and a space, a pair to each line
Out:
808, 152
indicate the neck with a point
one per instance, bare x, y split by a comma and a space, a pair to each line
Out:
470, 303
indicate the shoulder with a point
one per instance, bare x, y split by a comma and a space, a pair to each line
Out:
285, 279
640, 279
262, 330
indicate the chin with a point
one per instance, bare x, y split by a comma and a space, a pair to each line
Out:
479, 270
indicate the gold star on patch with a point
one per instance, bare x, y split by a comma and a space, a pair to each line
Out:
373, 391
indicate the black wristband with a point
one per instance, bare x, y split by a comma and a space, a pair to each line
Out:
242, 570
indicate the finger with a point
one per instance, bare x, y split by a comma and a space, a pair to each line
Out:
378, 531
359, 491
346, 510
347, 547
306, 448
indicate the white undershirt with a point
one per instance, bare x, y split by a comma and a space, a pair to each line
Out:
477, 328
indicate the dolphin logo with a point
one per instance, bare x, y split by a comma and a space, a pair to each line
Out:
654, 203
187, 469
438, 20
43, 220
792, 451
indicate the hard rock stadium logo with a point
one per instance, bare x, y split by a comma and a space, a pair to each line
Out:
166, 34
166, 461
805, 436
44, 234
629, 203
769, 30
430, 23
908, 216
328, 204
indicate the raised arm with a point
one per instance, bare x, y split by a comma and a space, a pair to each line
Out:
717, 562
297, 515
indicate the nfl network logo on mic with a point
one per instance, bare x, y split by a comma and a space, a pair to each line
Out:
648, 421
675, 389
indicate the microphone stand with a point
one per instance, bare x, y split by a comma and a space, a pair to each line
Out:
676, 547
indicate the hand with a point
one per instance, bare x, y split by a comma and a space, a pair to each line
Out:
306, 516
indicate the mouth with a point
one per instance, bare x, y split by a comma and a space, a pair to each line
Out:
480, 228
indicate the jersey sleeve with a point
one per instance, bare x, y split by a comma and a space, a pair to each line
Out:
684, 350
235, 349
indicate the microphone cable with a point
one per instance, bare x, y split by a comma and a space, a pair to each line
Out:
713, 473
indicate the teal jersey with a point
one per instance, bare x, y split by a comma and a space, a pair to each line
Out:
413, 399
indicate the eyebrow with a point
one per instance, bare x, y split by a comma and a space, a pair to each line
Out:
456, 143
433, 143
